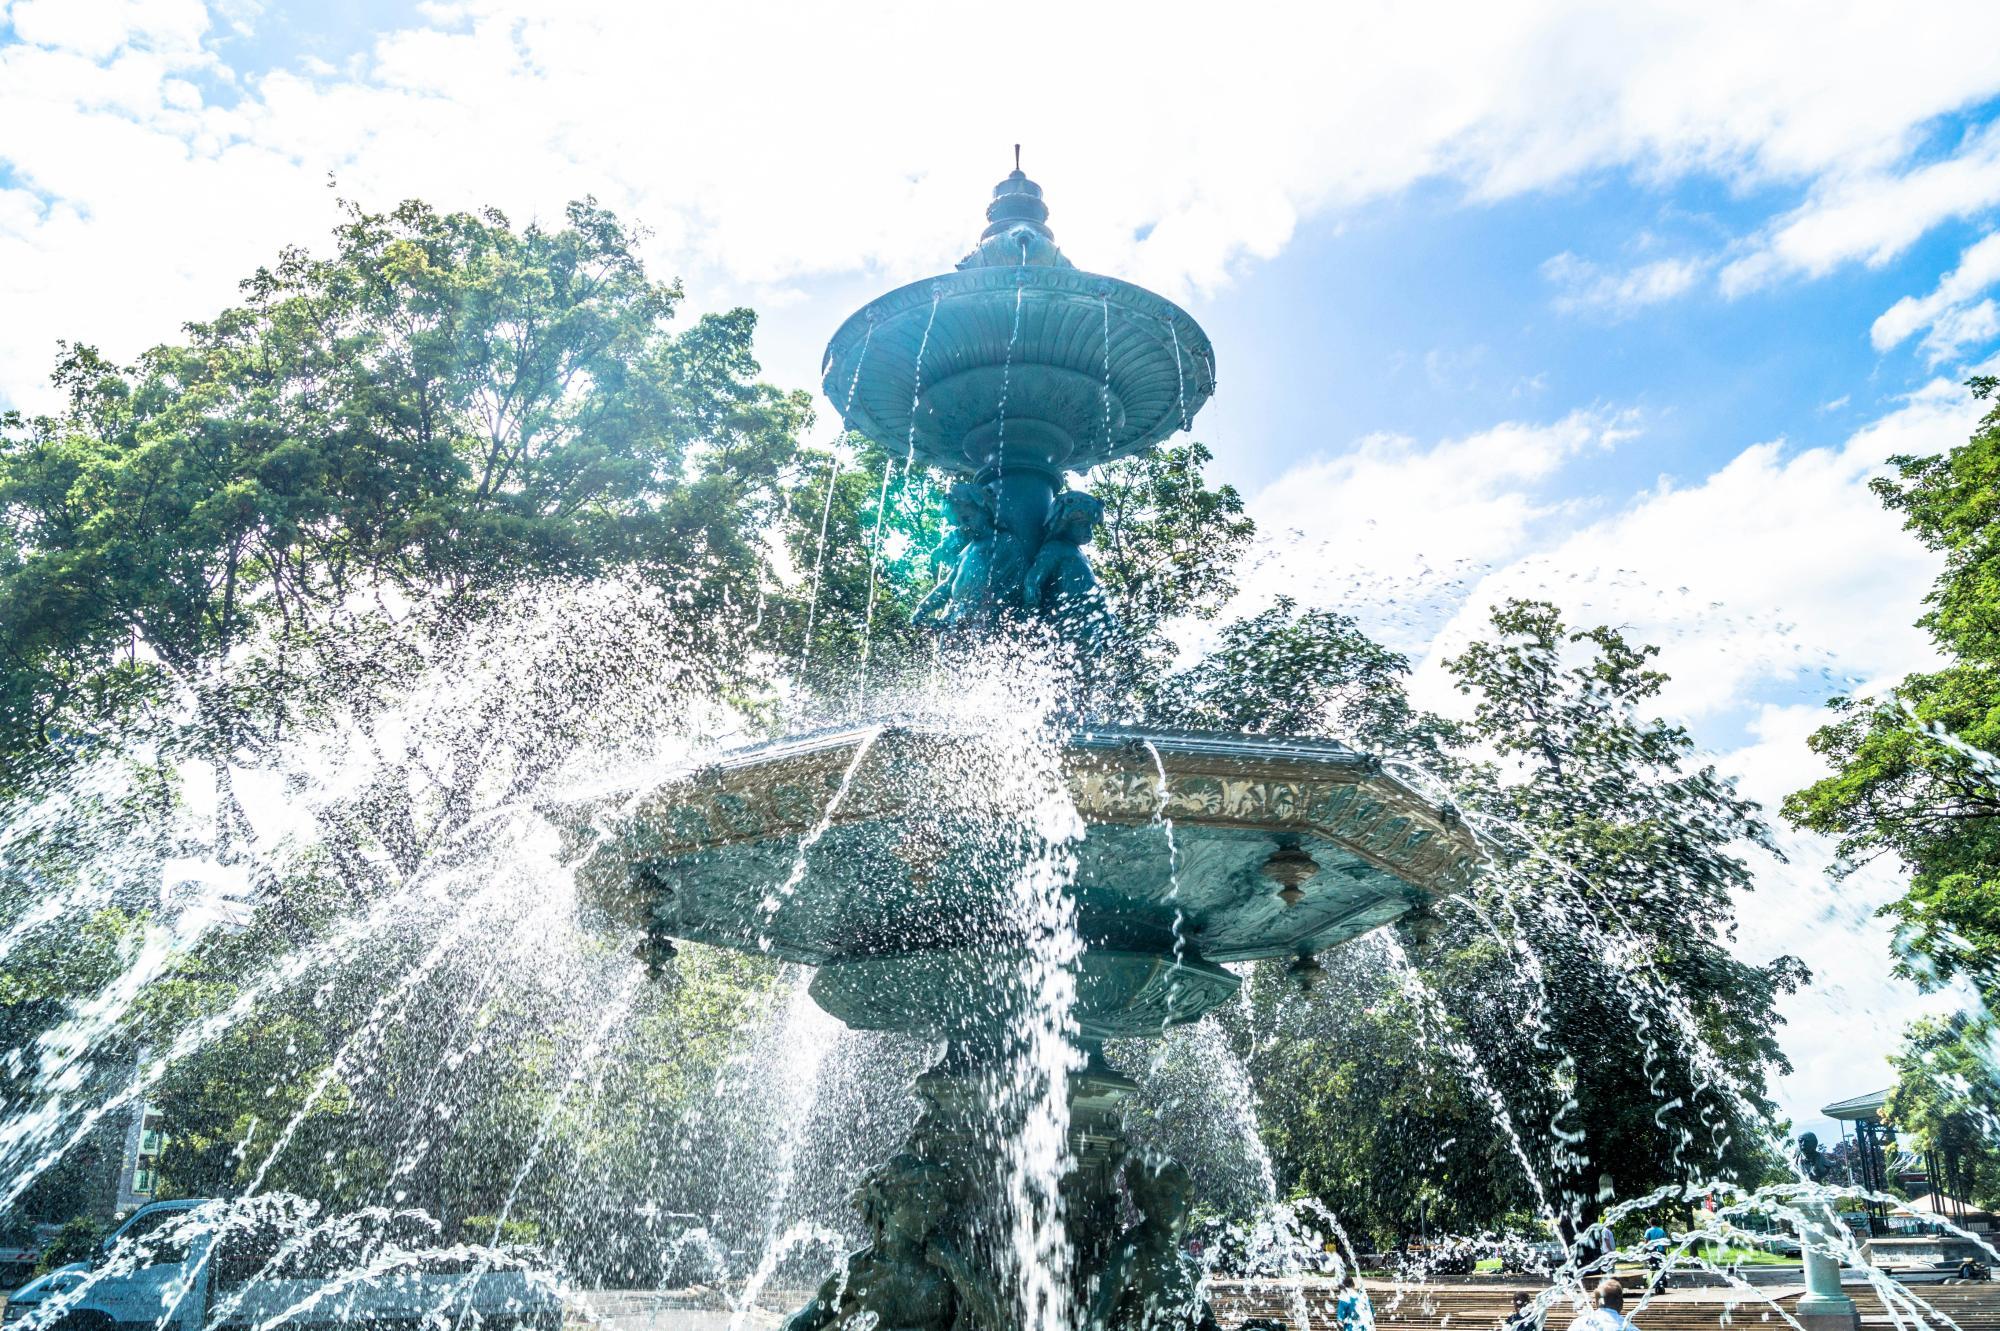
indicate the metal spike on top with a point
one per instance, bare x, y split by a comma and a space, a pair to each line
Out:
1017, 204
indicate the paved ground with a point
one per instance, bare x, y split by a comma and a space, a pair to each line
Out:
1475, 1304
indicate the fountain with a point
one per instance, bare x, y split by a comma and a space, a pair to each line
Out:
1024, 891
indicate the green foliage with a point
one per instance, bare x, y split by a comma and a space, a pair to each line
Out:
445, 406
1588, 979
76, 1241
51, 971
1944, 1104
1286, 671
1608, 800
1592, 978
492, 1229
1914, 778
1168, 550
859, 531
1369, 1115
1913, 773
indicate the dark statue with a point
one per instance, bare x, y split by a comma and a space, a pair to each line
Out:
993, 576
1147, 1280
911, 1277
966, 555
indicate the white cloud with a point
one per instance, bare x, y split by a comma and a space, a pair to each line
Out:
98, 28
1403, 530
1978, 268
1779, 567
1872, 216
1586, 287
769, 146
1961, 329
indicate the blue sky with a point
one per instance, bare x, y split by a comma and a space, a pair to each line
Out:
1594, 303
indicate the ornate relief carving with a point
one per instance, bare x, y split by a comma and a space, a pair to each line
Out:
1336, 796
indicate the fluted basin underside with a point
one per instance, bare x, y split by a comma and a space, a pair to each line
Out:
877, 854
1049, 379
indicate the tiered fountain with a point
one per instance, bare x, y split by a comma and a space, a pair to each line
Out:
978, 888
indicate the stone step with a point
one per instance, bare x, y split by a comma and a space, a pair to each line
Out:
1970, 1307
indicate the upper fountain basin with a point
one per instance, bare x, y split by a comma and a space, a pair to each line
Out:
1044, 387
894, 858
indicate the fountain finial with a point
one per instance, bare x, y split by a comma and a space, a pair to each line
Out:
1017, 227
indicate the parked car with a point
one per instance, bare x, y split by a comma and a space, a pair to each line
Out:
187, 1266
30, 1296
1522, 1256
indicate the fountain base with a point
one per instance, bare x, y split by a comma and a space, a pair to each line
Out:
942, 1257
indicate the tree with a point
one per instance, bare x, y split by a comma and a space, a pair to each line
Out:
1914, 773
1368, 1114
457, 471
1168, 550
443, 407
1286, 671
859, 530
1944, 1104
47, 979
1624, 1035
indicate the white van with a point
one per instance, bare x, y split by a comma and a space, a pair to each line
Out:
223, 1266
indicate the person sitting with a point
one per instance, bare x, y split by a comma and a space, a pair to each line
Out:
1525, 1317
964, 592
1609, 1314
1060, 583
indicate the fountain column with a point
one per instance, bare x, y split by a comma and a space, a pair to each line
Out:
1823, 1307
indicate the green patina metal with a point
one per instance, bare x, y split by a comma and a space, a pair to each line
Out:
1011, 371
870, 853
881, 855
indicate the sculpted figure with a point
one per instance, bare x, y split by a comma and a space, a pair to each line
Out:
966, 553
909, 1278
1147, 1282
1060, 583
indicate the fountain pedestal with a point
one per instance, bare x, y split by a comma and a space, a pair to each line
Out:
1823, 1307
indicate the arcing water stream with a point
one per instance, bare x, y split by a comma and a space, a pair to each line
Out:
488, 1051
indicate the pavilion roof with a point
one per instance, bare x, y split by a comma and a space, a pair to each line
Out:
1858, 1107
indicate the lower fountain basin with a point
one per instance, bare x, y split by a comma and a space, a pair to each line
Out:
907, 862
963, 993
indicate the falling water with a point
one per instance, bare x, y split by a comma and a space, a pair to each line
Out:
1166, 826
833, 472
1104, 304
819, 559
1007, 374
1180, 375
775, 900
882, 504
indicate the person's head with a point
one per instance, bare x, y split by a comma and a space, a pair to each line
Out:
1611, 1294
1347, 1282
1521, 1299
